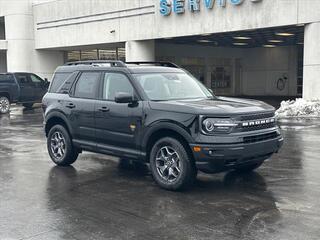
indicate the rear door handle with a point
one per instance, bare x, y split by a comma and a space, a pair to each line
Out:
104, 109
70, 105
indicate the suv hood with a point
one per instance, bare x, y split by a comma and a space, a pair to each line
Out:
220, 106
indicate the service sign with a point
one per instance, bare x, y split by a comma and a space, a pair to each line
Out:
180, 6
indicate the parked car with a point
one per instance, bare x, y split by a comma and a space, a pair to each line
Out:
160, 115
21, 87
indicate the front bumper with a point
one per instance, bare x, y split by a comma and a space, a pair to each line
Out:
221, 157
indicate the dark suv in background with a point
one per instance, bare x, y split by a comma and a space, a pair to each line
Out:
155, 113
21, 87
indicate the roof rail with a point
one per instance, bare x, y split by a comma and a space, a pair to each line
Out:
113, 63
156, 63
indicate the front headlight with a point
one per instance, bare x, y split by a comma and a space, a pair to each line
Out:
218, 125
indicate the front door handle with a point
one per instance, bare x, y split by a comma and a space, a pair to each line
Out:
70, 105
104, 109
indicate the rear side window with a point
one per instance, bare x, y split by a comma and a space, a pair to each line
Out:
57, 81
6, 78
87, 85
23, 78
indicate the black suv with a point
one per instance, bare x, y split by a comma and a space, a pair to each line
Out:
156, 113
21, 87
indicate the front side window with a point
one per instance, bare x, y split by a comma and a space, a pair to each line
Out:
171, 86
115, 83
86, 86
35, 79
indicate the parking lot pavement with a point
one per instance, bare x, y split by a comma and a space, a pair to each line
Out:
100, 198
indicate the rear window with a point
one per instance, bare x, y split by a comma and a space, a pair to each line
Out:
58, 80
6, 78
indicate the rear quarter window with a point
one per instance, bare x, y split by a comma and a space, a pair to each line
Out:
6, 78
57, 81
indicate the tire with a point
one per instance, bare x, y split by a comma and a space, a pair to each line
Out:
28, 105
4, 104
168, 153
249, 168
60, 146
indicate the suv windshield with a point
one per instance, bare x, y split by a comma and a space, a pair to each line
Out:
171, 86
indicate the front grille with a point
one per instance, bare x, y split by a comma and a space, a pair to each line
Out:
258, 127
257, 116
261, 137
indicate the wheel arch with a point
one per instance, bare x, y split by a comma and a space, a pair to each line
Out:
54, 119
166, 130
5, 94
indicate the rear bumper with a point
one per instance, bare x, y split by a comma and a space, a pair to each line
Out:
218, 157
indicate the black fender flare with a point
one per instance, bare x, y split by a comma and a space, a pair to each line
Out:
165, 125
61, 116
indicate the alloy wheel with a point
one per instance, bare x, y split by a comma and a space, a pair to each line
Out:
58, 145
168, 164
4, 104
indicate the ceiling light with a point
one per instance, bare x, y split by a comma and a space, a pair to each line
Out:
275, 41
206, 34
284, 34
204, 41
300, 25
300, 43
242, 38
168, 38
240, 44
269, 46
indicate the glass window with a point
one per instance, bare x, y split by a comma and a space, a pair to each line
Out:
23, 78
58, 80
115, 83
6, 78
172, 86
35, 79
86, 86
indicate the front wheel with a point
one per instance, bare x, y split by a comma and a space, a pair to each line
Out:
4, 105
171, 164
60, 147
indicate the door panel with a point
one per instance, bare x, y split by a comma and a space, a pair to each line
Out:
81, 106
113, 120
26, 87
39, 87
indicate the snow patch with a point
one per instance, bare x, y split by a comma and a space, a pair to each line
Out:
299, 108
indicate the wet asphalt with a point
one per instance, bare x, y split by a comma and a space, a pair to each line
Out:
102, 198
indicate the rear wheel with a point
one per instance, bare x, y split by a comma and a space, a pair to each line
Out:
27, 105
171, 164
60, 147
4, 104
249, 168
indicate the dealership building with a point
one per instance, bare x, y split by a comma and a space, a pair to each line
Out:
235, 47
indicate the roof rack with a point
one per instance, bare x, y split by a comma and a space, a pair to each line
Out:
113, 63
156, 63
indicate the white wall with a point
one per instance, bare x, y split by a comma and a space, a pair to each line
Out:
68, 23
259, 68
20, 42
3, 62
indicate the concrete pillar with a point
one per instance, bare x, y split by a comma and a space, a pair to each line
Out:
20, 37
140, 51
311, 68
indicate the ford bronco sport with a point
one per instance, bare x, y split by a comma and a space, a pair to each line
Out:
157, 113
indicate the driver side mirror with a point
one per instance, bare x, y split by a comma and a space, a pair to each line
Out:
46, 83
124, 97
